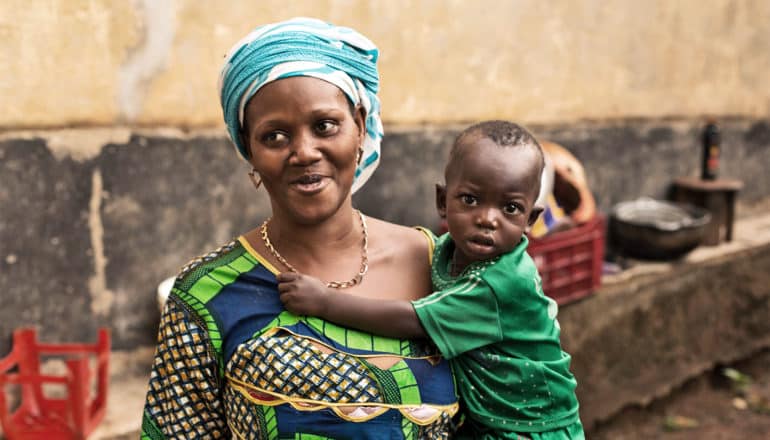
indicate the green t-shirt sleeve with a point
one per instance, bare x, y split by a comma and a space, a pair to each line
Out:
461, 318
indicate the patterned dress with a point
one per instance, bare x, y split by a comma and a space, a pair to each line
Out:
231, 362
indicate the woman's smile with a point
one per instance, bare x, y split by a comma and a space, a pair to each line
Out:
309, 184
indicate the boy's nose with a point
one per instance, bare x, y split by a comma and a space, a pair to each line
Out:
487, 219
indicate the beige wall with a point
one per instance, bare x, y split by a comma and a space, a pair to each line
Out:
155, 62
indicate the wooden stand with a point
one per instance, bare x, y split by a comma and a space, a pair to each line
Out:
718, 197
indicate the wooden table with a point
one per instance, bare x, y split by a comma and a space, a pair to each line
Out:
718, 197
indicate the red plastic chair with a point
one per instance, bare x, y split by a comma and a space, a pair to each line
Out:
38, 416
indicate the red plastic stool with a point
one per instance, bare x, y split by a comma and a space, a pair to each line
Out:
41, 417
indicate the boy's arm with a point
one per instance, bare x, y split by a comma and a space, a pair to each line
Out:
305, 295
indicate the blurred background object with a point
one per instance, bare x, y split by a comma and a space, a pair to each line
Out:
64, 406
718, 197
564, 192
656, 229
712, 139
567, 240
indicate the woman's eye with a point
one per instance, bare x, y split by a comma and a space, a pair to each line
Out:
511, 208
274, 137
468, 199
326, 127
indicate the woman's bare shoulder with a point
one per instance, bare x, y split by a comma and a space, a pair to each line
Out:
400, 259
401, 241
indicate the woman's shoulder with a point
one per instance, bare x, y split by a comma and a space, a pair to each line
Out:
212, 258
402, 241
399, 258
207, 274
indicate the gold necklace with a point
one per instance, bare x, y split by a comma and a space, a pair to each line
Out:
333, 284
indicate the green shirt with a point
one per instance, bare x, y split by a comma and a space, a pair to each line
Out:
502, 338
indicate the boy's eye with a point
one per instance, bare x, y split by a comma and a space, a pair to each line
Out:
326, 127
512, 208
468, 199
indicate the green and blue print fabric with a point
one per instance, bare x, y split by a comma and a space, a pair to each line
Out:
231, 361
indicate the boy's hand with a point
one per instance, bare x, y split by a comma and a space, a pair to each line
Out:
303, 294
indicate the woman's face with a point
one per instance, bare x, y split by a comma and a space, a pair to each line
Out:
304, 140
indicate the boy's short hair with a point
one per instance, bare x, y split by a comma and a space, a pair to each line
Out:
502, 133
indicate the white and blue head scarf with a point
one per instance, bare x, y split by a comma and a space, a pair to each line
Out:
305, 47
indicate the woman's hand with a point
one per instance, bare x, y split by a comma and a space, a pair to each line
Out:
303, 295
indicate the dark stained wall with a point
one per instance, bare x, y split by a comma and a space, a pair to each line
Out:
84, 243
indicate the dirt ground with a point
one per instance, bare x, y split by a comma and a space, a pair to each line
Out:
708, 407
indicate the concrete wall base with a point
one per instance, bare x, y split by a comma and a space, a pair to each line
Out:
657, 325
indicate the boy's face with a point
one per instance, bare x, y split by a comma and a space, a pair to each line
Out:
489, 198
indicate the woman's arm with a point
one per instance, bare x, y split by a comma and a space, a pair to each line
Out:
183, 399
305, 295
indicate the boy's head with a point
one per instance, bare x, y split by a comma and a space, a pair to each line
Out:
492, 182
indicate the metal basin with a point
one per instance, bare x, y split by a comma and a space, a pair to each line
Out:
655, 229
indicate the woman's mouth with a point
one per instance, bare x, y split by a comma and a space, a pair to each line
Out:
309, 184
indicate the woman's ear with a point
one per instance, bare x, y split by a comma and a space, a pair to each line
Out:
359, 114
245, 142
441, 200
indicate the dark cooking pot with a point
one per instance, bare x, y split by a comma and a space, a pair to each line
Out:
654, 229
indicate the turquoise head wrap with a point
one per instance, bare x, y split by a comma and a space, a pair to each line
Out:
305, 47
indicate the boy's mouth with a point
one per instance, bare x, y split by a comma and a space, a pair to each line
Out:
484, 240
481, 244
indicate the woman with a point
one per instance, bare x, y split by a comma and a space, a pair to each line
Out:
299, 99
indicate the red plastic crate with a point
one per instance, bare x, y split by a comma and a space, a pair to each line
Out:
39, 416
570, 262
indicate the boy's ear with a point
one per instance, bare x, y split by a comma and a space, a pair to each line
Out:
441, 200
533, 215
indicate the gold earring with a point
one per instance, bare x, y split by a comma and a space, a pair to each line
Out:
359, 155
257, 181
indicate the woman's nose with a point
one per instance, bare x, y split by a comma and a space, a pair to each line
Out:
304, 150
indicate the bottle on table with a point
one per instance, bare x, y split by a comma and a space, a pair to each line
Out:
711, 151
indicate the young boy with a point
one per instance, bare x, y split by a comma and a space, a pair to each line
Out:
488, 314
